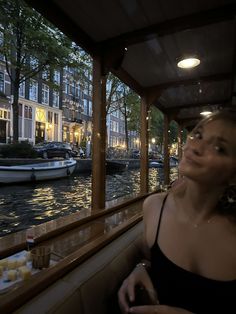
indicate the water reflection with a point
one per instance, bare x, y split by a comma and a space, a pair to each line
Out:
22, 206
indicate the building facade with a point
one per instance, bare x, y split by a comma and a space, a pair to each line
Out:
59, 113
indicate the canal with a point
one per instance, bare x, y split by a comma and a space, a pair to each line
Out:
25, 205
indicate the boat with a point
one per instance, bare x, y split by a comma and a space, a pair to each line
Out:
174, 161
156, 164
160, 164
38, 171
115, 166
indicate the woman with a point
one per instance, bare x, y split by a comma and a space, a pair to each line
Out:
190, 232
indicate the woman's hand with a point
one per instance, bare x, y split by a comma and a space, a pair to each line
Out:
157, 309
126, 294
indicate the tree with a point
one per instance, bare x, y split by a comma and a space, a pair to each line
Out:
120, 97
156, 125
114, 88
131, 111
30, 45
113, 95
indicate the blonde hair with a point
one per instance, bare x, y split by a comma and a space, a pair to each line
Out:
227, 203
227, 114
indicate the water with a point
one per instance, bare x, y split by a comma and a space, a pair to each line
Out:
25, 205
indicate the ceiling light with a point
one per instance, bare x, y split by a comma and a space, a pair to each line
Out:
205, 113
188, 63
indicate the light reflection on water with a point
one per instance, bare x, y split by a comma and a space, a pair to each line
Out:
22, 206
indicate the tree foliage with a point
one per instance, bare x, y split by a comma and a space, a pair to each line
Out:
30, 45
156, 125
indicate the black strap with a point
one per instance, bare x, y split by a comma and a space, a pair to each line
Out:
159, 222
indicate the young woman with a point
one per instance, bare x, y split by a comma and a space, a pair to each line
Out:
190, 232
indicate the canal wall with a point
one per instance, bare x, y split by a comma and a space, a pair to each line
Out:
83, 165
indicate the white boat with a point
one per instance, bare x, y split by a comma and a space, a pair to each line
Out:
156, 164
37, 172
160, 163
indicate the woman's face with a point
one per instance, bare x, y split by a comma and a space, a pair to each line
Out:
209, 155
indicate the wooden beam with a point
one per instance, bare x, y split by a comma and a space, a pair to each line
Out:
144, 146
128, 80
113, 58
194, 81
180, 140
174, 109
233, 87
166, 151
199, 19
98, 136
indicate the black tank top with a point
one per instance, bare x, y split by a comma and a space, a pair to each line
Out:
181, 288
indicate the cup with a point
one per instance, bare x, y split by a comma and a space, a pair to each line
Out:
40, 257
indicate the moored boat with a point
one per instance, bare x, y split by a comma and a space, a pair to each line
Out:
156, 164
37, 172
160, 163
115, 166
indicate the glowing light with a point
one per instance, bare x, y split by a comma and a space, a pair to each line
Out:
188, 63
205, 113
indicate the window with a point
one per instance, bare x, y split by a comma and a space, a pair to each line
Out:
77, 92
55, 118
67, 86
27, 122
20, 110
90, 108
73, 88
86, 106
2, 82
34, 63
55, 126
56, 77
28, 112
45, 94
3, 114
1, 39
20, 121
22, 90
50, 115
2, 58
55, 100
33, 91
114, 126
45, 75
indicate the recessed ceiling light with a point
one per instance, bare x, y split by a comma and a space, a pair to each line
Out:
188, 63
205, 113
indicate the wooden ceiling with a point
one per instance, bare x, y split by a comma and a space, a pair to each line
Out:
142, 41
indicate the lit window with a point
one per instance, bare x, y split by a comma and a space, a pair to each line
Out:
33, 90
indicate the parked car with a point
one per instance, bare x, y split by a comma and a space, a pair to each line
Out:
135, 153
55, 149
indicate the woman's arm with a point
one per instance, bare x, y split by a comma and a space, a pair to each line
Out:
157, 309
139, 276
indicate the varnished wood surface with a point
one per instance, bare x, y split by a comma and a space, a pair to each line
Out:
77, 243
17, 241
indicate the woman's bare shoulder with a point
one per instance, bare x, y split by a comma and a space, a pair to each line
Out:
153, 203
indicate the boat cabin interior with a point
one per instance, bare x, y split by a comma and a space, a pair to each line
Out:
142, 42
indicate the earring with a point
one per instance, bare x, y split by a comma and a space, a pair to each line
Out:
228, 199
231, 194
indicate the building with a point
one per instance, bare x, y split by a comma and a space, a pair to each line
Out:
5, 108
59, 113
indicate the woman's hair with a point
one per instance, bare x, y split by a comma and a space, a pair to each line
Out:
227, 114
227, 202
